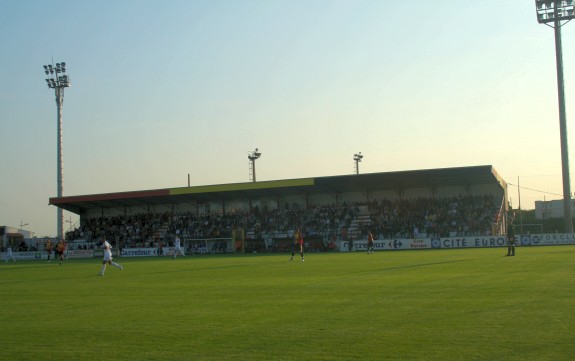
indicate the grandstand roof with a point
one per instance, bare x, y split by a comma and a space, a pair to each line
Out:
429, 178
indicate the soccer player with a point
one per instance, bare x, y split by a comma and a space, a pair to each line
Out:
9, 254
60, 249
178, 248
108, 257
297, 244
370, 246
510, 237
160, 248
48, 247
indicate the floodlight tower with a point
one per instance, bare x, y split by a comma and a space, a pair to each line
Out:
357, 158
252, 157
555, 14
58, 80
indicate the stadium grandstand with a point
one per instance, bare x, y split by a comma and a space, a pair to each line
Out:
262, 216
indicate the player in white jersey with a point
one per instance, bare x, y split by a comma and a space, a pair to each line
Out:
108, 257
9, 254
178, 248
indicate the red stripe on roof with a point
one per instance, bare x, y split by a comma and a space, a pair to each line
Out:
110, 196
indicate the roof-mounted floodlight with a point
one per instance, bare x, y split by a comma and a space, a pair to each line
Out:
357, 158
252, 157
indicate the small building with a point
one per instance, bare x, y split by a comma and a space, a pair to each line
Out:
12, 236
551, 209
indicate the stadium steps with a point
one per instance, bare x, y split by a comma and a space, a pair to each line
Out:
357, 224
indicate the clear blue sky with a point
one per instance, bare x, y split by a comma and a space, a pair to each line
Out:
161, 89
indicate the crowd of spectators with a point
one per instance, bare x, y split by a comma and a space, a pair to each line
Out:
23, 247
128, 231
433, 217
321, 224
20, 246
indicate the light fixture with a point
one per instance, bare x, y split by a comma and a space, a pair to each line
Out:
551, 11
555, 14
357, 158
252, 157
58, 82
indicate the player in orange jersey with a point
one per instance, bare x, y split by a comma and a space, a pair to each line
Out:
48, 247
297, 244
60, 249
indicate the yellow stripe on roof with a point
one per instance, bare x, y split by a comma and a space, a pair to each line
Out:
243, 186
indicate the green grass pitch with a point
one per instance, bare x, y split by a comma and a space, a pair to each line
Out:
464, 304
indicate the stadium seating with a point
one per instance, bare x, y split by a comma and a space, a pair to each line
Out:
402, 218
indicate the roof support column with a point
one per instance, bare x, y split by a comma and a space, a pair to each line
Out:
367, 195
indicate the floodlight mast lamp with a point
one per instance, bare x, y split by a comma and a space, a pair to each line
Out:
252, 157
58, 80
555, 14
357, 158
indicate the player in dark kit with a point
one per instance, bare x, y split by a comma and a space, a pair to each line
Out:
297, 244
510, 237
